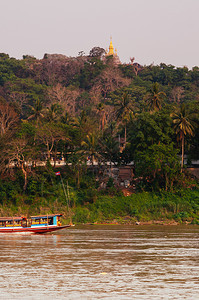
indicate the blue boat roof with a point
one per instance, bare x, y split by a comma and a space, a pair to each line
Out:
45, 216
32, 217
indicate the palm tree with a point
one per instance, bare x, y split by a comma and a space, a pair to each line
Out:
109, 149
101, 112
52, 112
183, 125
37, 111
124, 111
155, 97
91, 146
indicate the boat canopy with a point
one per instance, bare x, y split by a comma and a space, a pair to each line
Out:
4, 219
45, 216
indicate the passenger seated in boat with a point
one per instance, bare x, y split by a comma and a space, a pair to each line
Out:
50, 221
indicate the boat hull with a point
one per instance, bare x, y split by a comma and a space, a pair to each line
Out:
36, 229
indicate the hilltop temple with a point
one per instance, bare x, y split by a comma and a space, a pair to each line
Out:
113, 53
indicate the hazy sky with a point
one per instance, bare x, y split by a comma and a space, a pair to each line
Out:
153, 31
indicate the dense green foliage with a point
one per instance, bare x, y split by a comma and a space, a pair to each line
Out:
93, 116
181, 206
43, 197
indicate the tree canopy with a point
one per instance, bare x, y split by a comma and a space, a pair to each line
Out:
85, 106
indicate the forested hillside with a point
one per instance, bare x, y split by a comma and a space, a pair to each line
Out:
89, 112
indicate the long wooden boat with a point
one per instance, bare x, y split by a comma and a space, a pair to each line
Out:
34, 224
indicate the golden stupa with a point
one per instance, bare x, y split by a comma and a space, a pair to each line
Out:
113, 53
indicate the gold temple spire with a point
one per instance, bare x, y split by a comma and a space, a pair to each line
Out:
113, 52
111, 49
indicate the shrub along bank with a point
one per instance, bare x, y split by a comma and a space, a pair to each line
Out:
180, 206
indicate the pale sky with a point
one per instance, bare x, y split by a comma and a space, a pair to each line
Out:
152, 31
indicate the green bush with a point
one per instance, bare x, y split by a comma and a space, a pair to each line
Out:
81, 215
183, 215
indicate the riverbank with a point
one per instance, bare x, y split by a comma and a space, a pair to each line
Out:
145, 208
165, 222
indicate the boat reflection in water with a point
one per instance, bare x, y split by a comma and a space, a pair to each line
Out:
34, 224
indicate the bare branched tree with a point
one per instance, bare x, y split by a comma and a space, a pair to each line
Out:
177, 94
109, 80
8, 118
20, 99
17, 153
66, 97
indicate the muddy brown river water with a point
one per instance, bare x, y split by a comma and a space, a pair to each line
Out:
102, 262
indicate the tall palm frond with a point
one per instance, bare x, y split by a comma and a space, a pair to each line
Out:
183, 125
124, 110
37, 110
155, 97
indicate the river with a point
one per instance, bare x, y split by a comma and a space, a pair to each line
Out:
102, 262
